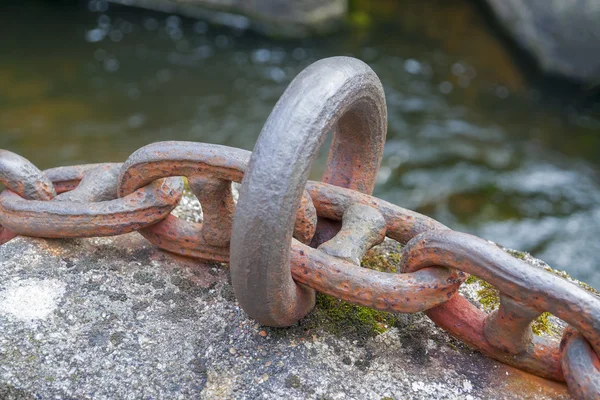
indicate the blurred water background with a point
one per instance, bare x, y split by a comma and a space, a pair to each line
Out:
476, 139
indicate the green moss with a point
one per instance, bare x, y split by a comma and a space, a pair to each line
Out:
489, 297
338, 316
381, 262
516, 254
293, 381
395, 258
542, 324
565, 275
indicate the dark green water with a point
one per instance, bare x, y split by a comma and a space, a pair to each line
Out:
472, 140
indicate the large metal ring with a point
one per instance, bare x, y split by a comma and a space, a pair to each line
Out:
340, 94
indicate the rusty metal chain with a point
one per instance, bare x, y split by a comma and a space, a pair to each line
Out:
92, 208
210, 169
23, 178
288, 237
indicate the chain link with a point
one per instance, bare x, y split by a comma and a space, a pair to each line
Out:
26, 180
280, 254
92, 208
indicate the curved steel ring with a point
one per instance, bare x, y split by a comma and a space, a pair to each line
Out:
531, 288
25, 179
581, 365
91, 208
341, 94
210, 170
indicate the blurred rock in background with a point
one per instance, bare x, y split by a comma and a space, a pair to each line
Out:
280, 18
562, 36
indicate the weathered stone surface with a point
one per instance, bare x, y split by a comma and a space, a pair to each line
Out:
272, 17
562, 36
112, 318
116, 318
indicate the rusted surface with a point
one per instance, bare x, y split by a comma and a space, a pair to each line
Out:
6, 235
67, 178
210, 169
83, 216
510, 381
306, 220
408, 293
466, 322
97, 184
401, 224
330, 271
362, 228
340, 94
581, 366
25, 179
538, 289
509, 327
217, 206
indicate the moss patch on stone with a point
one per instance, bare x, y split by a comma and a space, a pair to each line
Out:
381, 262
489, 298
565, 275
541, 325
338, 316
516, 254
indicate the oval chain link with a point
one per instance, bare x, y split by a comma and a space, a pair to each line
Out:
88, 205
26, 180
210, 169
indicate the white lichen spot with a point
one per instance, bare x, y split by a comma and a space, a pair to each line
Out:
418, 385
31, 299
467, 386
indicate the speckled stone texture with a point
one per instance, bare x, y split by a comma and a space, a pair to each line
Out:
115, 318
